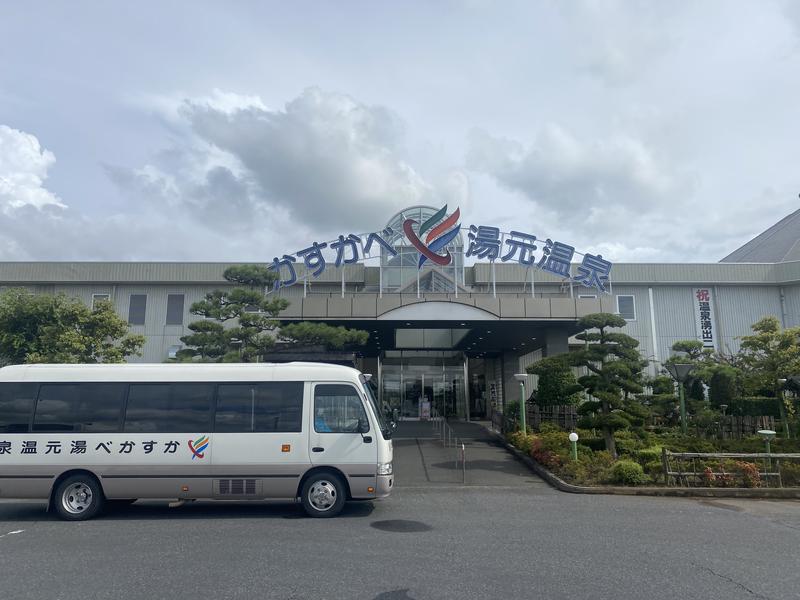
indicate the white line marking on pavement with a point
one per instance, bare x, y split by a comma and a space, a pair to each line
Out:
12, 533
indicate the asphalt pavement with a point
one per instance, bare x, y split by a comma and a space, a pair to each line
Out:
507, 536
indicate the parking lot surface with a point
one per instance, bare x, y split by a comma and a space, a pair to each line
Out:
508, 536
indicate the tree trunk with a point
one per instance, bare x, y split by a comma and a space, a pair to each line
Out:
608, 433
611, 445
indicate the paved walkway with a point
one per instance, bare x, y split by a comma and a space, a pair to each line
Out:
420, 458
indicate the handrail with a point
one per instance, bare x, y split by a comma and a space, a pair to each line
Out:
733, 455
448, 438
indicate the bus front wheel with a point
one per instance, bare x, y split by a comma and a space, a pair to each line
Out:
78, 498
323, 495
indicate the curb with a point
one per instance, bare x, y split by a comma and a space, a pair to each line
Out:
563, 486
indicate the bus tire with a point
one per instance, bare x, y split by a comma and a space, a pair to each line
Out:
323, 495
78, 498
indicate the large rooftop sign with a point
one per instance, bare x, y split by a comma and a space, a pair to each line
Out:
434, 240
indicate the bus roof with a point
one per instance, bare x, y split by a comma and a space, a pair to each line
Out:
137, 372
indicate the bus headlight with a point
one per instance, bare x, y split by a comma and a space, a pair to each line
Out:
384, 468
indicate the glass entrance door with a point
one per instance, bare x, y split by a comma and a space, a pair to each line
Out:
416, 383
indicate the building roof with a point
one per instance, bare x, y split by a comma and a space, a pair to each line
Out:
155, 273
779, 243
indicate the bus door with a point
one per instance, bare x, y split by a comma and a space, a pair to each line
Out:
341, 434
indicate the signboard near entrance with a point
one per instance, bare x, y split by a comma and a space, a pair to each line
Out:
424, 409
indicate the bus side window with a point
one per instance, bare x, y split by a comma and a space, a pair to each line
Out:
84, 407
338, 409
16, 406
275, 406
169, 407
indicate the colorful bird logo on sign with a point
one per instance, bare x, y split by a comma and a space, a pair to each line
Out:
198, 446
437, 238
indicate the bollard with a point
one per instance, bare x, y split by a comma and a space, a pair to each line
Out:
463, 464
573, 438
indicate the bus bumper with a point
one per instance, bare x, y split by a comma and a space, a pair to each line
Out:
384, 486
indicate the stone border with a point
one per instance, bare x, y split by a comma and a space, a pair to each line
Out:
561, 485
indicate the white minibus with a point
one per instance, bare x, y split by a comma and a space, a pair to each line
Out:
82, 436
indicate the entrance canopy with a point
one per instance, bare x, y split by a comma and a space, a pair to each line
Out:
475, 338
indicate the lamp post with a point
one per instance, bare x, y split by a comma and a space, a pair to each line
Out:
522, 377
782, 408
767, 434
680, 372
573, 438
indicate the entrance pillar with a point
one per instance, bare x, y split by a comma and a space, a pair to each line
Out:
556, 341
510, 365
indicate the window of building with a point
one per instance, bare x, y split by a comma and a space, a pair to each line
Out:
265, 407
99, 298
175, 309
337, 409
169, 407
137, 308
85, 407
16, 406
626, 307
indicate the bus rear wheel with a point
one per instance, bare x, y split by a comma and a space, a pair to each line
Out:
78, 498
323, 495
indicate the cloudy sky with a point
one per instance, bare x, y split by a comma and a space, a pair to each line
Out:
648, 131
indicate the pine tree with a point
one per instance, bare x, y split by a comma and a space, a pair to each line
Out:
615, 372
242, 324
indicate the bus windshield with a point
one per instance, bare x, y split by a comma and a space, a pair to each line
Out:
378, 412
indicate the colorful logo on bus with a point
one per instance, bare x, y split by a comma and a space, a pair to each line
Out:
198, 446
438, 236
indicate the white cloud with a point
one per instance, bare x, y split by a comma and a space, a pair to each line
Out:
565, 175
23, 169
238, 181
328, 159
327, 163
618, 40
200, 210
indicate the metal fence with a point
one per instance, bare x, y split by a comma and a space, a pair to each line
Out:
565, 416
728, 469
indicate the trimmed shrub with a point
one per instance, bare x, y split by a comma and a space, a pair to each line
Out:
596, 444
751, 478
557, 383
790, 473
551, 448
590, 469
511, 410
627, 472
722, 387
521, 441
655, 470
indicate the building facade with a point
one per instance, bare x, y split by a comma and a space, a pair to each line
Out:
453, 336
